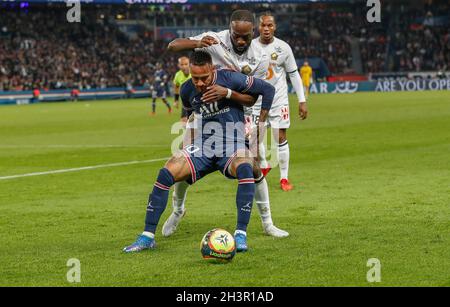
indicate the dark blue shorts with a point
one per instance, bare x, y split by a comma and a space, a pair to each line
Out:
206, 163
159, 92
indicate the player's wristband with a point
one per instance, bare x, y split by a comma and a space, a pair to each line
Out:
229, 92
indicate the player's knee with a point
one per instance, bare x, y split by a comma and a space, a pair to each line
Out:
166, 177
282, 137
256, 169
244, 171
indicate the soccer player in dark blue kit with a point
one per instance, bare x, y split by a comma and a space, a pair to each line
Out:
159, 88
214, 146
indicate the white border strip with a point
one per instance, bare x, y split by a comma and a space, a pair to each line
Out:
81, 168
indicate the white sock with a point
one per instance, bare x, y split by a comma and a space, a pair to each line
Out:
179, 196
283, 159
262, 156
150, 235
263, 202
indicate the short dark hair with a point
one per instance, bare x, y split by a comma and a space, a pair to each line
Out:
200, 58
267, 14
242, 15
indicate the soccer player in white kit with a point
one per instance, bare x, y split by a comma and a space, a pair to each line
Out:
230, 49
282, 63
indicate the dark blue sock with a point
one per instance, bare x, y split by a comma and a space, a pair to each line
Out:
245, 195
157, 200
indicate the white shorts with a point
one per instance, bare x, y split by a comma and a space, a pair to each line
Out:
279, 117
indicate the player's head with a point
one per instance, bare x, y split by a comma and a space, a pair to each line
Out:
242, 23
158, 66
202, 69
305, 63
267, 27
183, 64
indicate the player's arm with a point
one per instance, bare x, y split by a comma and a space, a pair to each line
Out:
176, 91
217, 92
186, 104
297, 84
292, 70
184, 44
257, 87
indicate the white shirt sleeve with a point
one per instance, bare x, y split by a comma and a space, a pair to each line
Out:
199, 37
290, 65
296, 81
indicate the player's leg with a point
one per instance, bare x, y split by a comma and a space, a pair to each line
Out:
262, 158
283, 160
164, 99
279, 120
262, 195
176, 169
153, 103
179, 194
262, 200
242, 169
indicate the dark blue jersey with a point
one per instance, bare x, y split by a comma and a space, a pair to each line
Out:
226, 110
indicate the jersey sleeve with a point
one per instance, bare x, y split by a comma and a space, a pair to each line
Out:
185, 97
175, 80
290, 65
253, 86
199, 37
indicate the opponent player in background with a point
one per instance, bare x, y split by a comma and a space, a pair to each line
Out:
282, 63
199, 159
159, 87
233, 50
180, 77
306, 72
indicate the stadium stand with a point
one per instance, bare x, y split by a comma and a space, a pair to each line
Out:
40, 49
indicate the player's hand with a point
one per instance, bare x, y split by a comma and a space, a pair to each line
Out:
214, 93
207, 41
303, 110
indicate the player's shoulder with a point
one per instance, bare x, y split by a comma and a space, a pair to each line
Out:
257, 51
279, 43
222, 34
187, 87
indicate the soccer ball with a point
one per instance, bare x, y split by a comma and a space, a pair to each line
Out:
218, 245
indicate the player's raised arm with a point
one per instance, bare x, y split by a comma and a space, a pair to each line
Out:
183, 44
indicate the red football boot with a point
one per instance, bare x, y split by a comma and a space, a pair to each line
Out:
285, 185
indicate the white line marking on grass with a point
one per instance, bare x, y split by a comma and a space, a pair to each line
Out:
81, 146
59, 171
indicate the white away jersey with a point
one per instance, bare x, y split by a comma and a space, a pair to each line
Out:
282, 61
253, 62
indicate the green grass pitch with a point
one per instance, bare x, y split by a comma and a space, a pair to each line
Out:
371, 174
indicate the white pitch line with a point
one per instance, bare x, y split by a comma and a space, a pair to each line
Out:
80, 146
59, 171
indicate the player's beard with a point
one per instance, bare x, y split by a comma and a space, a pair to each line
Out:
240, 50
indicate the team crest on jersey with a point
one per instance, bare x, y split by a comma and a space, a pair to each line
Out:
274, 56
246, 70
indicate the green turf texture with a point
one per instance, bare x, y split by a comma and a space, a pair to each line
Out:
372, 180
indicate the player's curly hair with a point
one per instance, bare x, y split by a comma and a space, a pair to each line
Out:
242, 15
266, 14
200, 58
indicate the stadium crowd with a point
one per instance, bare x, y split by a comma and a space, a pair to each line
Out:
39, 48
